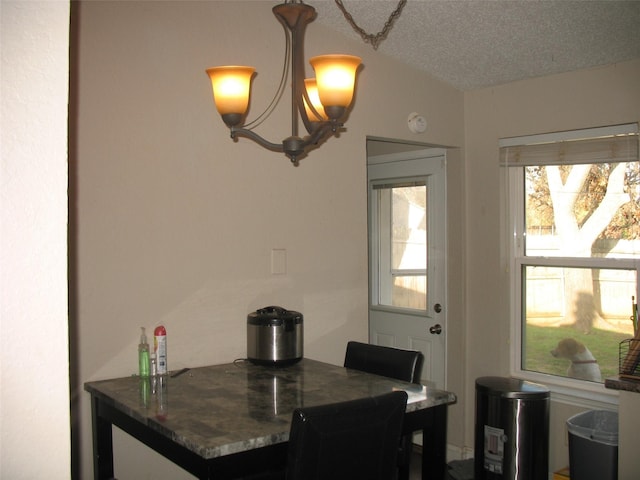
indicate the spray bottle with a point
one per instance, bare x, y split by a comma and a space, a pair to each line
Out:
143, 354
160, 349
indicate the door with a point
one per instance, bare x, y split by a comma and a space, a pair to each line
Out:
407, 269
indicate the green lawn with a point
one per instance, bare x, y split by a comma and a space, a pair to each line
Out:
541, 340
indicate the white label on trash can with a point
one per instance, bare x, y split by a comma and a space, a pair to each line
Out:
494, 439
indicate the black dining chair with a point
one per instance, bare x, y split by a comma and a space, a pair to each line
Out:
405, 365
347, 440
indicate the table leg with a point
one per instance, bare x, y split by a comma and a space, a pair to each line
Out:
434, 445
102, 443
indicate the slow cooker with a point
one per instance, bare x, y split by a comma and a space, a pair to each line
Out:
274, 336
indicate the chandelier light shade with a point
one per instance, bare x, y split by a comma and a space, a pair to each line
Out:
335, 79
315, 113
320, 104
231, 88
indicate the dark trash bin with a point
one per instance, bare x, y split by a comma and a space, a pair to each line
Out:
593, 445
512, 430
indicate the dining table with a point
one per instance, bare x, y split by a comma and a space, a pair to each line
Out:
232, 420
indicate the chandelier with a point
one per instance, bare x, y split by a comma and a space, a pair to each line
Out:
321, 102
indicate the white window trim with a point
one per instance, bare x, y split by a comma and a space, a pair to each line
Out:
563, 389
570, 390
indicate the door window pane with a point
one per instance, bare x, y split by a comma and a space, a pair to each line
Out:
402, 255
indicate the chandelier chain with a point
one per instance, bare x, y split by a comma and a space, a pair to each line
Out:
374, 40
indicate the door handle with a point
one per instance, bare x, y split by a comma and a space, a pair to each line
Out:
436, 329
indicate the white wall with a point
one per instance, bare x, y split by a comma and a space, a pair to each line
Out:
588, 98
34, 370
174, 223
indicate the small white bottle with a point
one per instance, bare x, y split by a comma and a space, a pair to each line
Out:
160, 349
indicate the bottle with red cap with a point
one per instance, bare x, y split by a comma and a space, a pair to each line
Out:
160, 349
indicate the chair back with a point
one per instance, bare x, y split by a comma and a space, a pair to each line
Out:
405, 365
347, 440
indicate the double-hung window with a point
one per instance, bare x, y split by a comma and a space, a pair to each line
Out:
573, 220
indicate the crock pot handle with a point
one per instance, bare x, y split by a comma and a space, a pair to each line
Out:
272, 309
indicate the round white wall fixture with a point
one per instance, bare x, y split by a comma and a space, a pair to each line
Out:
417, 123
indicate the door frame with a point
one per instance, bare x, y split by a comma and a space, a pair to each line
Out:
402, 155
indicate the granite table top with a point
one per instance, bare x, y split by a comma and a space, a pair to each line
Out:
224, 409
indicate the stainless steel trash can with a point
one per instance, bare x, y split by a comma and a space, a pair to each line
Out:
512, 430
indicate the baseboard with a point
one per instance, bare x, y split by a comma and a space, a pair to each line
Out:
467, 453
453, 452
457, 453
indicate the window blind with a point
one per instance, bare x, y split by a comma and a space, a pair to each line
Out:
381, 186
619, 143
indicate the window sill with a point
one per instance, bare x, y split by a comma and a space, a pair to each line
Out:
617, 383
574, 392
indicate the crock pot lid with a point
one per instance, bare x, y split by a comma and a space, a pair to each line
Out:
273, 316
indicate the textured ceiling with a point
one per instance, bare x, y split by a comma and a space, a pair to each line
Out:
481, 43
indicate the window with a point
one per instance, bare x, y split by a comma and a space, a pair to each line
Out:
574, 236
402, 251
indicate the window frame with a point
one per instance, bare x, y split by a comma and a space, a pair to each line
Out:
380, 249
514, 224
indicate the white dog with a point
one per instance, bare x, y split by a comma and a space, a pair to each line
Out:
583, 364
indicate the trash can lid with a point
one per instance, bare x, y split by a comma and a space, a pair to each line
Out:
507, 387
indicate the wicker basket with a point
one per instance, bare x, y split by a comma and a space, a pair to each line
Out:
629, 362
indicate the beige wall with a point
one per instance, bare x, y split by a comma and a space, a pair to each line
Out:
628, 459
34, 365
590, 98
174, 222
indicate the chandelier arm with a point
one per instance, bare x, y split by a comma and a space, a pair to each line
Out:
322, 129
299, 97
299, 91
276, 147
295, 17
299, 144
295, 146
280, 90
296, 54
